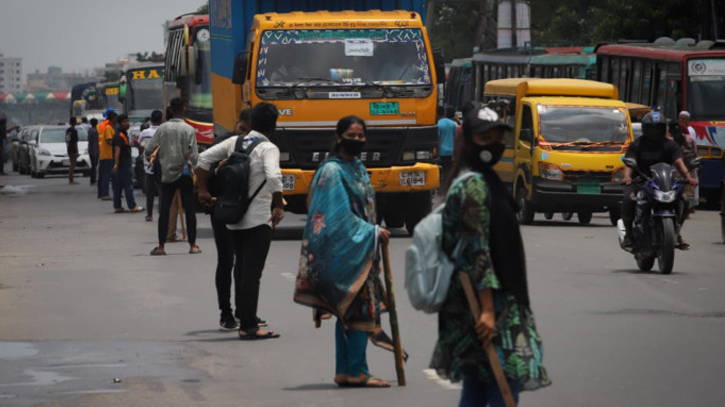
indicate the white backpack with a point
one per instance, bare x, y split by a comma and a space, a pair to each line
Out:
428, 270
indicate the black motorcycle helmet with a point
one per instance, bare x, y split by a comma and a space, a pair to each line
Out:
654, 127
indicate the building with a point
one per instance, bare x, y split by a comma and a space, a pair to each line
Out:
11, 74
55, 80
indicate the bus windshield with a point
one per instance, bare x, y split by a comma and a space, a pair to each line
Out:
574, 124
706, 89
200, 102
343, 57
145, 90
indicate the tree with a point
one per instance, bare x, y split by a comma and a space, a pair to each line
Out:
203, 9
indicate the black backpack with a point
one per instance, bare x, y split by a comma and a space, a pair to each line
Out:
232, 184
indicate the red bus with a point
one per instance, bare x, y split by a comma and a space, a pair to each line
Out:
675, 77
188, 72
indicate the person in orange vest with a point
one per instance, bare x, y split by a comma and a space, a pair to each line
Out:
106, 131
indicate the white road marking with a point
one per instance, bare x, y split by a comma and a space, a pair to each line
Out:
446, 384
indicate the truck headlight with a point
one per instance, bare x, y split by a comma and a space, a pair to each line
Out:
551, 171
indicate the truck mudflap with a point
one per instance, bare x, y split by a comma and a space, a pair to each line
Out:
413, 178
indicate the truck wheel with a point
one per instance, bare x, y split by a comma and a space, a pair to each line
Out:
614, 215
567, 215
525, 215
548, 215
584, 217
419, 205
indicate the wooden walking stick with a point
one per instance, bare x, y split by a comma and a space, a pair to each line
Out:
503, 385
397, 348
180, 211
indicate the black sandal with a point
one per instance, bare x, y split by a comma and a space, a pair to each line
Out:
251, 335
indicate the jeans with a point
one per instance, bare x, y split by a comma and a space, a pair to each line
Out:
479, 394
185, 185
123, 180
104, 177
151, 189
350, 351
250, 248
224, 242
94, 167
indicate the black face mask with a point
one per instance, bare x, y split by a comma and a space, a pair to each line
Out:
352, 147
487, 155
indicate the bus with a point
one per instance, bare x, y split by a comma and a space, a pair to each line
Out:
672, 78
459, 83
141, 90
189, 41
576, 66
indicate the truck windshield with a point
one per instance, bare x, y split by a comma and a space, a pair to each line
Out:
145, 90
575, 124
199, 104
343, 57
706, 89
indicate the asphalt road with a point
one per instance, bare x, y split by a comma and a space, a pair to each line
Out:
90, 319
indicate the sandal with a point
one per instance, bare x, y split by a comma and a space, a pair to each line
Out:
174, 239
682, 244
253, 335
365, 382
195, 250
149, 219
136, 209
120, 210
158, 252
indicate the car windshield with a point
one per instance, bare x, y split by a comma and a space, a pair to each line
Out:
706, 89
575, 124
343, 57
57, 135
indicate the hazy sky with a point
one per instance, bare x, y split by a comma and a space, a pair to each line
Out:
82, 34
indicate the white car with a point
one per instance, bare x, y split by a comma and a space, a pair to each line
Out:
49, 154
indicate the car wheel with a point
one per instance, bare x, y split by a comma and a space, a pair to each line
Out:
526, 213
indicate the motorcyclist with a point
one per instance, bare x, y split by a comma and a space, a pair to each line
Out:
652, 148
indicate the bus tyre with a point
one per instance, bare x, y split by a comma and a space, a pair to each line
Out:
548, 215
525, 215
419, 205
567, 215
584, 217
614, 215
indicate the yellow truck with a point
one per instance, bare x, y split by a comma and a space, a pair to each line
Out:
565, 153
319, 66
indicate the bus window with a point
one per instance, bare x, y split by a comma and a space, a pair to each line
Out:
604, 74
624, 69
615, 72
647, 84
636, 97
661, 88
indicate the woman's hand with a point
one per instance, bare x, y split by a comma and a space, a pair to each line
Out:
384, 236
486, 327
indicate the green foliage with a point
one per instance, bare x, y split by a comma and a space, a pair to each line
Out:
153, 57
455, 28
203, 9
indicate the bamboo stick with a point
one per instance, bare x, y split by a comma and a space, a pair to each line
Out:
397, 348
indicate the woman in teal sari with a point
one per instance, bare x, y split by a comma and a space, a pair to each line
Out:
339, 264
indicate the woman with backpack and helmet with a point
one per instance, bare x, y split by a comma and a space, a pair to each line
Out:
652, 148
480, 212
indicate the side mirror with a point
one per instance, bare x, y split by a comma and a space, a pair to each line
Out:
694, 163
630, 162
526, 135
188, 61
122, 88
239, 75
439, 64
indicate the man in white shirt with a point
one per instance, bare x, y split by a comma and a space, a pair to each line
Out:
253, 234
150, 184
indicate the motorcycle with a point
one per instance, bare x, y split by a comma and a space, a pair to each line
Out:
659, 207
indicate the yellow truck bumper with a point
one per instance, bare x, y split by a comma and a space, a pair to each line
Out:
418, 177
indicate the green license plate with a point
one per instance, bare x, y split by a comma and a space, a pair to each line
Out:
384, 108
588, 186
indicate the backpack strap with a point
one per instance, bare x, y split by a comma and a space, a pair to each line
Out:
239, 145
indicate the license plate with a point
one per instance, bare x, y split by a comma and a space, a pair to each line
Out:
412, 179
384, 108
288, 182
66, 162
588, 186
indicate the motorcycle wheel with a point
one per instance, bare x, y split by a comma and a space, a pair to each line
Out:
666, 250
646, 263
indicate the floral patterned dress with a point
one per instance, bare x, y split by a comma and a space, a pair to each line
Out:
459, 354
